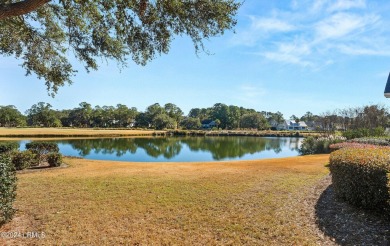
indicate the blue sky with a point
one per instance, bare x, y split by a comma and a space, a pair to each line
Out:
289, 56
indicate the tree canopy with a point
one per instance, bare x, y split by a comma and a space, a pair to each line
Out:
43, 33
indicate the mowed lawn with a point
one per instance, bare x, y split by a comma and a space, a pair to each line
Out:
70, 132
259, 202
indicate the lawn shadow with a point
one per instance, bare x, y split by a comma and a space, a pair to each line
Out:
348, 225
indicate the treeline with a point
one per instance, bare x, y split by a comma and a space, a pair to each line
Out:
170, 116
155, 116
352, 118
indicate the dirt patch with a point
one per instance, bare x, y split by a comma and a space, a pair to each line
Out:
43, 167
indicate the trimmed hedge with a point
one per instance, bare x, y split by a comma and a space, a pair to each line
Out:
374, 141
6, 147
24, 159
337, 146
7, 189
42, 149
361, 176
54, 159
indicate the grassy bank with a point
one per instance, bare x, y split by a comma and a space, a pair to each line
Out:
110, 203
73, 132
80, 132
254, 133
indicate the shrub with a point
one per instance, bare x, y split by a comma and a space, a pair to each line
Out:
381, 141
24, 159
337, 146
307, 146
7, 189
54, 159
364, 132
7, 147
360, 176
41, 149
312, 145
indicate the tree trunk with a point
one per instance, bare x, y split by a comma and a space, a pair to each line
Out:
20, 8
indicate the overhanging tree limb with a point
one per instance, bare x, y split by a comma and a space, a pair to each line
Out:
43, 33
20, 8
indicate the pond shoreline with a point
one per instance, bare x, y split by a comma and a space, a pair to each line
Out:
73, 132
98, 132
241, 133
174, 148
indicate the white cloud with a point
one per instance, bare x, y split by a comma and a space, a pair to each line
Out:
260, 28
291, 53
342, 5
318, 33
342, 24
270, 25
286, 58
368, 51
318, 5
336, 6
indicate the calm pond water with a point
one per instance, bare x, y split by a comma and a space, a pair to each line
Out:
179, 149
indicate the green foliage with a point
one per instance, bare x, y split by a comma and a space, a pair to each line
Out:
253, 121
7, 189
81, 117
11, 117
54, 159
220, 112
142, 120
41, 149
381, 141
114, 30
124, 116
174, 112
360, 176
364, 132
24, 159
191, 123
7, 147
42, 114
163, 121
312, 145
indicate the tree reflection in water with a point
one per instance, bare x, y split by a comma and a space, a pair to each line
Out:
220, 148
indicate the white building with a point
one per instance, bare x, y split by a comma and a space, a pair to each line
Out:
290, 125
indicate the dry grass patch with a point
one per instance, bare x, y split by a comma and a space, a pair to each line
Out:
112, 203
70, 132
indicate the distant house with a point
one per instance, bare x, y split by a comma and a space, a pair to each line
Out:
387, 88
274, 124
208, 124
290, 125
313, 125
132, 123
